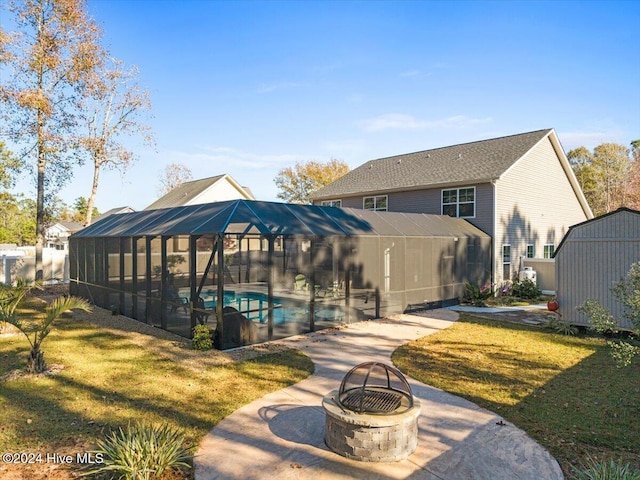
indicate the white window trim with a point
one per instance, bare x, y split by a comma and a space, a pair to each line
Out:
331, 203
475, 200
526, 252
375, 203
544, 250
510, 262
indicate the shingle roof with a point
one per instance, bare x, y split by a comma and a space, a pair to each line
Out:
72, 226
473, 162
182, 194
116, 211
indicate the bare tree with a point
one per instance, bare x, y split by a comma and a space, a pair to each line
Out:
172, 176
54, 53
112, 110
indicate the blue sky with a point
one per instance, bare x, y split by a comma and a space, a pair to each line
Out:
248, 88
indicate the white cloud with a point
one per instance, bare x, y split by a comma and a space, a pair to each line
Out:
272, 87
231, 157
398, 121
415, 73
571, 140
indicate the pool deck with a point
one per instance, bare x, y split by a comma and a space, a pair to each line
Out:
281, 435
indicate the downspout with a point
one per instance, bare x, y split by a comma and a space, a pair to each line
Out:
494, 275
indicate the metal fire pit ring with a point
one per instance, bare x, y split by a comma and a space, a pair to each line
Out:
375, 388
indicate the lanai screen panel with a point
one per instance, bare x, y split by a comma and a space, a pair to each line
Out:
285, 269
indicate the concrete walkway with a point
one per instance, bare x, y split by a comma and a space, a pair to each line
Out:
281, 435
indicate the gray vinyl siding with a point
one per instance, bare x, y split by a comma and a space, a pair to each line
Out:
536, 204
592, 258
430, 201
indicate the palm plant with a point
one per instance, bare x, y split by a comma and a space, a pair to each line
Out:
35, 330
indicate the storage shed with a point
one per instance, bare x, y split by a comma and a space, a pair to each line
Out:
277, 269
592, 257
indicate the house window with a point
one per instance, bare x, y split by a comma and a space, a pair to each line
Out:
459, 202
506, 262
549, 249
377, 204
331, 203
531, 250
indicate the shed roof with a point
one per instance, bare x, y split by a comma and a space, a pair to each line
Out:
269, 218
610, 232
473, 162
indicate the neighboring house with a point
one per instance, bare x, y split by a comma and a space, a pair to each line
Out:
115, 211
519, 189
57, 235
592, 257
205, 190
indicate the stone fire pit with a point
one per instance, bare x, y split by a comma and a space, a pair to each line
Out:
373, 417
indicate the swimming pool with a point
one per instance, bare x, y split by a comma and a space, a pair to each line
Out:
254, 306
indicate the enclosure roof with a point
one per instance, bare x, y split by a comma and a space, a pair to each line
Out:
269, 218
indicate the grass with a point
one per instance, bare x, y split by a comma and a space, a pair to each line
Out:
108, 380
564, 391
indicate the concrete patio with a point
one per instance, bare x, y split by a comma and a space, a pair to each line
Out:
281, 435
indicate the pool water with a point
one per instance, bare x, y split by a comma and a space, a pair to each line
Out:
254, 306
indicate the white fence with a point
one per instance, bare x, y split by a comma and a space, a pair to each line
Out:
22, 264
545, 272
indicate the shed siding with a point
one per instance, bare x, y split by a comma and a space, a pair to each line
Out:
539, 214
593, 258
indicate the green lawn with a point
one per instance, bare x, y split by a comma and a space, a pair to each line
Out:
564, 391
109, 380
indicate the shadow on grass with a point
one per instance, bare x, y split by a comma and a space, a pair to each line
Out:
564, 391
109, 381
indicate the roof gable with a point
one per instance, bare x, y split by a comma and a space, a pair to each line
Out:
188, 192
475, 162
612, 232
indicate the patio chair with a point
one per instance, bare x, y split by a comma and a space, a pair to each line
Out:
176, 300
300, 283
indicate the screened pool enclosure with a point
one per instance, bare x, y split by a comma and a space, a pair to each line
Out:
276, 269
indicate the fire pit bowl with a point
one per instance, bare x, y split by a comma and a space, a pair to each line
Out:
373, 417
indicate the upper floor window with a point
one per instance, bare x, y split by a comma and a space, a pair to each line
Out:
549, 250
459, 202
378, 204
531, 250
331, 203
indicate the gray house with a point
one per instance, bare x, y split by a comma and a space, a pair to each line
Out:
519, 189
592, 257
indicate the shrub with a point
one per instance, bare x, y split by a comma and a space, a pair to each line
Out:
602, 321
525, 289
627, 292
142, 452
35, 329
478, 295
602, 470
623, 353
202, 338
559, 326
